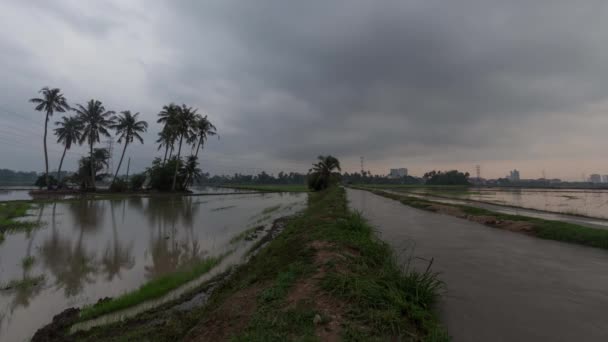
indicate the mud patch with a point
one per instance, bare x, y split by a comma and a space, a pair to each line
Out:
331, 311
231, 317
447, 210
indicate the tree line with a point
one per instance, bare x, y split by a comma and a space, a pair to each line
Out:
182, 125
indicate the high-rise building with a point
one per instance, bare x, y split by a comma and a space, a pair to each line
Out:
595, 178
398, 173
514, 176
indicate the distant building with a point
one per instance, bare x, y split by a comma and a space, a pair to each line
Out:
398, 173
595, 178
605, 179
513, 176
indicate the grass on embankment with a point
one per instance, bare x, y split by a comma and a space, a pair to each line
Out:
326, 275
9, 212
545, 229
153, 289
271, 187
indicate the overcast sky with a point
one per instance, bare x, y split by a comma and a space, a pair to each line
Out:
419, 84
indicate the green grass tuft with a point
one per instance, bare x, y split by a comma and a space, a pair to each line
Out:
150, 290
9, 212
28, 262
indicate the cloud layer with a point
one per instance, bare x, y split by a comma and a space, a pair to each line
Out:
420, 84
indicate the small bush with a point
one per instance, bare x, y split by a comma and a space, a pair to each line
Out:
41, 182
136, 182
119, 185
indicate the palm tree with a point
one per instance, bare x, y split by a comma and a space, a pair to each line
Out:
68, 132
166, 139
323, 172
127, 128
52, 101
203, 129
183, 126
191, 171
96, 121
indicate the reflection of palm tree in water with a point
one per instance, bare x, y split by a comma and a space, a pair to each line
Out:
72, 266
168, 254
116, 257
24, 294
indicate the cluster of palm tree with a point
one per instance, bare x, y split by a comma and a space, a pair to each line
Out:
90, 122
183, 124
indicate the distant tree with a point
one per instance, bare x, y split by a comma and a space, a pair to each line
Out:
203, 129
52, 101
183, 125
166, 139
68, 132
96, 121
128, 128
99, 162
323, 173
191, 172
452, 177
41, 182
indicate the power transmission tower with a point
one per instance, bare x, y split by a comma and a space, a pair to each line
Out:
362, 163
478, 171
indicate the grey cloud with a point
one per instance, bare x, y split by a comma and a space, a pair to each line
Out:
455, 79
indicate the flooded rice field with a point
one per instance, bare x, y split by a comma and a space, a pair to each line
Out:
586, 202
21, 193
499, 285
89, 249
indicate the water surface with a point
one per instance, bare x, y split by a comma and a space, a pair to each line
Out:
500, 285
588, 202
89, 249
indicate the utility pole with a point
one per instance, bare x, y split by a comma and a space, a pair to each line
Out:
128, 165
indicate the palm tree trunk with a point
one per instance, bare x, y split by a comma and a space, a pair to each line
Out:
120, 162
200, 142
92, 166
60, 164
46, 156
171, 152
166, 150
179, 151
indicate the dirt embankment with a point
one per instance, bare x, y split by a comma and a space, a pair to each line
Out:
236, 311
488, 220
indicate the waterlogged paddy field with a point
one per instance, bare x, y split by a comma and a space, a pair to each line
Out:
19, 193
592, 203
89, 249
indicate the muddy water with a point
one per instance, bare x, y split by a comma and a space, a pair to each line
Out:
501, 286
90, 249
593, 203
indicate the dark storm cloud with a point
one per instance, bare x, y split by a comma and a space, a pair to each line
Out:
285, 81
376, 75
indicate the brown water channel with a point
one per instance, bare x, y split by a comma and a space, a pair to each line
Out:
500, 285
89, 249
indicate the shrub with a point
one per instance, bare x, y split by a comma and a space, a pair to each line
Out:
119, 185
136, 182
41, 182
